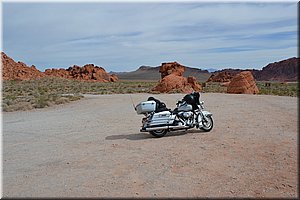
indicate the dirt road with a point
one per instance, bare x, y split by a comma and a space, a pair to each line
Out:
93, 148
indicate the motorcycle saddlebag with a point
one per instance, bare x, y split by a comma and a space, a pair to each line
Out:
161, 118
146, 107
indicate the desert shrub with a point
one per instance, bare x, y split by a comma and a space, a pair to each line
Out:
74, 97
48, 91
42, 101
18, 106
214, 87
276, 88
61, 100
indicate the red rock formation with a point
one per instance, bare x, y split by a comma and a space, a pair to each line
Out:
225, 84
285, 70
62, 73
88, 72
282, 71
243, 83
12, 70
171, 68
173, 80
221, 77
192, 81
20, 71
113, 78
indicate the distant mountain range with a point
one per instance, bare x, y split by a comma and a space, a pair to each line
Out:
152, 73
211, 70
285, 70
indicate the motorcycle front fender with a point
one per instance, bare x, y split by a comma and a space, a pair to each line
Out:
206, 113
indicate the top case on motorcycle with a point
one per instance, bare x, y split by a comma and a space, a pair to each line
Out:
160, 106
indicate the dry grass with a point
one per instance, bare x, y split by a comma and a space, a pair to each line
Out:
48, 91
275, 88
26, 95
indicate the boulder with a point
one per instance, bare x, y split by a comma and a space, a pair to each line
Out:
243, 83
113, 78
174, 81
192, 81
221, 77
171, 68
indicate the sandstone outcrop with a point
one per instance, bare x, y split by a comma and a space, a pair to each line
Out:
88, 72
221, 77
243, 83
172, 79
62, 73
192, 81
171, 68
12, 70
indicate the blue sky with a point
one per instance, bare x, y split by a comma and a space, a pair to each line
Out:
124, 36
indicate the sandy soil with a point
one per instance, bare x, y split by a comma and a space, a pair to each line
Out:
93, 148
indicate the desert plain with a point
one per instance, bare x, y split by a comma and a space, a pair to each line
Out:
93, 148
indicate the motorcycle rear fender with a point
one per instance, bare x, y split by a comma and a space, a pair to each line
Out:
206, 113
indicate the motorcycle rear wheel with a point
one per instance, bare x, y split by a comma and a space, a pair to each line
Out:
159, 133
207, 124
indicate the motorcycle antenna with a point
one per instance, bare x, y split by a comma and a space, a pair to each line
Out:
132, 102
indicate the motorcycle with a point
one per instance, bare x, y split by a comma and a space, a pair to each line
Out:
189, 113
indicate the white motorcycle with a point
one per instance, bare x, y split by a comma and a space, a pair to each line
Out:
188, 114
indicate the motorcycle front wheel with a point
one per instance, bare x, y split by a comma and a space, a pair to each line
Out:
159, 133
207, 124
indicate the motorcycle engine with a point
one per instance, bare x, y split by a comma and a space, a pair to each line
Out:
187, 115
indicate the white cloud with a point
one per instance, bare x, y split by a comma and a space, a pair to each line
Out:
123, 36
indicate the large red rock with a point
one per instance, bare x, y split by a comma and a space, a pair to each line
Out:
173, 79
192, 81
171, 68
113, 78
221, 77
12, 70
243, 83
174, 83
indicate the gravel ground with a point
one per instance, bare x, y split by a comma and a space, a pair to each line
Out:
93, 148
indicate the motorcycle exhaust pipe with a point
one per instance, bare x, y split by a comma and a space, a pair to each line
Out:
165, 127
157, 128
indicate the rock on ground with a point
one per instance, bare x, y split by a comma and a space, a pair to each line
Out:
243, 83
173, 79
